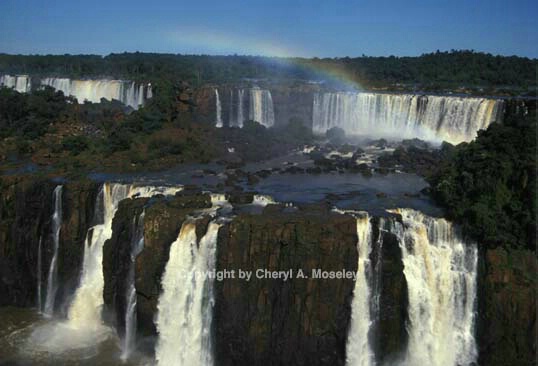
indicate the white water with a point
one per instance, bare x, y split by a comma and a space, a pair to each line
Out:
262, 200
453, 119
440, 270
137, 244
358, 349
127, 92
186, 304
52, 285
21, 83
261, 107
218, 109
39, 274
240, 108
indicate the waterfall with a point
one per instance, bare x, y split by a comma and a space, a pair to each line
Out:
137, 244
440, 270
127, 92
39, 274
186, 303
219, 109
52, 285
21, 83
240, 108
454, 119
358, 349
85, 310
261, 107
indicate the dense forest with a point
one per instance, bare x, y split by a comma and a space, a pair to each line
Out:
489, 185
454, 69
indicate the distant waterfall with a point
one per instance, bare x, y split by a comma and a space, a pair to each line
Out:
454, 119
261, 107
440, 270
137, 244
39, 274
358, 349
240, 108
21, 83
218, 109
127, 92
186, 303
85, 310
52, 282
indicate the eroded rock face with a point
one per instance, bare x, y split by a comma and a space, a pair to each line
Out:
507, 307
26, 209
25, 212
162, 222
276, 322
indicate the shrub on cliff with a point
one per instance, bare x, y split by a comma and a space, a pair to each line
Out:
489, 185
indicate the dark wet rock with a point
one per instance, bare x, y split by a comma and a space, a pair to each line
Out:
240, 198
26, 209
253, 317
162, 222
381, 195
506, 331
252, 179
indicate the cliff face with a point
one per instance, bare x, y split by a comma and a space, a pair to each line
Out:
26, 209
276, 322
261, 321
25, 212
162, 222
507, 307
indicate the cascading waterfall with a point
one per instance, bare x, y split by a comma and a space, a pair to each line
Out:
21, 83
127, 92
219, 109
454, 119
39, 274
137, 244
185, 305
240, 108
358, 349
85, 310
84, 328
440, 270
52, 285
261, 107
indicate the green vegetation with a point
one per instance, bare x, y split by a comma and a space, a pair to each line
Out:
489, 185
434, 71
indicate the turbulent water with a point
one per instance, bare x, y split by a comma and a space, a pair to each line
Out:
21, 83
127, 92
440, 270
137, 244
454, 119
358, 349
39, 274
52, 281
186, 303
218, 108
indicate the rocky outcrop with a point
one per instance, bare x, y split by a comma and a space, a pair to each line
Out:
26, 209
276, 322
162, 222
25, 213
507, 307
390, 333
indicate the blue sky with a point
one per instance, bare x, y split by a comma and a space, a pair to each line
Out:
276, 28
